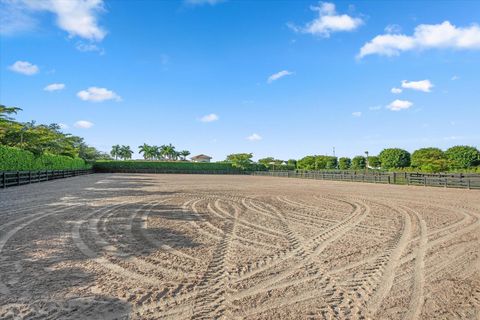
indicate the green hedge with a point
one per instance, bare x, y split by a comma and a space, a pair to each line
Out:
161, 166
15, 159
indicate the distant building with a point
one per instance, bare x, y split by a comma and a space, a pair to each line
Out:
201, 158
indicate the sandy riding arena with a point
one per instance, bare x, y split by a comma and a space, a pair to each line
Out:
124, 246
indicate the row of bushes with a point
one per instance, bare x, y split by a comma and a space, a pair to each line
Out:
454, 159
159, 166
15, 159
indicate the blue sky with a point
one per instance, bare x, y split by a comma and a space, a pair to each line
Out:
283, 79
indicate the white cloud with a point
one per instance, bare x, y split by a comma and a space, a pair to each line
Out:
357, 114
63, 126
202, 2
24, 67
425, 36
455, 78
422, 85
278, 75
77, 17
396, 90
89, 47
328, 21
15, 18
96, 94
375, 108
398, 105
54, 87
83, 124
254, 137
209, 118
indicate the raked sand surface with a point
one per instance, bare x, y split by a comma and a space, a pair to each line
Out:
125, 246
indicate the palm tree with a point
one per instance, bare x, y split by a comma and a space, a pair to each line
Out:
6, 111
184, 154
115, 151
156, 153
163, 152
126, 152
146, 150
170, 151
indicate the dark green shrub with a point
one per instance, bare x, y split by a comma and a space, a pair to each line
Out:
168, 166
15, 159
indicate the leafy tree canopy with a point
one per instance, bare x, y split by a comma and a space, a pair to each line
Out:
240, 160
374, 161
463, 157
359, 163
344, 163
394, 158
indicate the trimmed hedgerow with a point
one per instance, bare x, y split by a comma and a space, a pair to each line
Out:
161, 166
15, 159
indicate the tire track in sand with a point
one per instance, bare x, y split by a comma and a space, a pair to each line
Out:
417, 297
212, 292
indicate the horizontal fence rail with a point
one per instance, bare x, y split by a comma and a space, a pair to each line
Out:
17, 178
469, 181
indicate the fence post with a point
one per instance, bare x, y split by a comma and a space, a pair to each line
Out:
18, 178
394, 178
424, 181
389, 179
468, 182
29, 176
446, 182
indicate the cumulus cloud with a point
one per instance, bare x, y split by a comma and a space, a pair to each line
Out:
375, 108
455, 78
425, 36
328, 21
77, 17
96, 94
357, 114
278, 75
422, 85
54, 87
398, 105
83, 124
209, 118
24, 67
254, 137
396, 90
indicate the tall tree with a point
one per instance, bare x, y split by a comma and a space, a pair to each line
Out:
147, 151
126, 152
344, 163
115, 151
463, 157
394, 158
184, 154
5, 112
358, 163
240, 160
